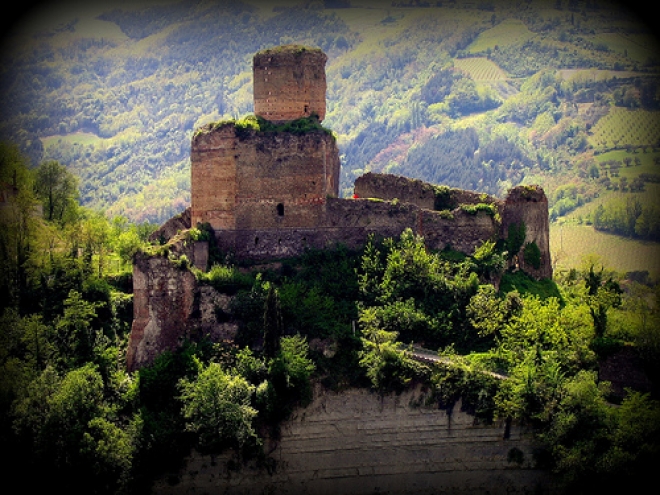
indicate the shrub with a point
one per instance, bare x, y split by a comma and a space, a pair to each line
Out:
532, 255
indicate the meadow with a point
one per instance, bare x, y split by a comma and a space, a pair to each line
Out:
507, 32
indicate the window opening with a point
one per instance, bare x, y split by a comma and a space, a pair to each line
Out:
280, 209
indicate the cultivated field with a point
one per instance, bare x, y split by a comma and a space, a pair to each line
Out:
480, 69
571, 243
621, 127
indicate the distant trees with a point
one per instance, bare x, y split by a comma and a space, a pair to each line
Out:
628, 217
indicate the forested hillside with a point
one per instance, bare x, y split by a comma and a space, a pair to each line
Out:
114, 91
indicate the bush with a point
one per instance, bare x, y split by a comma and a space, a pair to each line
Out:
532, 254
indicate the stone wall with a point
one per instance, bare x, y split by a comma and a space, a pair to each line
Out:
169, 307
213, 190
289, 83
253, 180
351, 222
357, 442
529, 205
417, 192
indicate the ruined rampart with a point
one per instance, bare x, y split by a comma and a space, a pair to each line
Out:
528, 206
395, 187
169, 306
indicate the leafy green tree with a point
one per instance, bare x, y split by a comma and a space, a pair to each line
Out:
71, 434
272, 322
19, 225
292, 369
597, 447
217, 407
488, 313
386, 364
603, 293
58, 190
75, 335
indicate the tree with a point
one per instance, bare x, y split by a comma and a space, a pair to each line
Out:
602, 294
382, 357
58, 190
216, 406
18, 227
75, 335
291, 370
272, 322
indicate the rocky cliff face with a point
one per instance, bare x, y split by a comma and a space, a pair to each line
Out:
357, 442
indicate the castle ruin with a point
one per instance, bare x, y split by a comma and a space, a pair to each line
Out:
272, 192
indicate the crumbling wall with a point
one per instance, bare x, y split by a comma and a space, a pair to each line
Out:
528, 205
213, 189
163, 297
169, 307
390, 187
289, 83
284, 179
248, 179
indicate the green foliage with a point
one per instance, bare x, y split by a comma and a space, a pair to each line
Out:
225, 279
216, 406
599, 447
386, 364
524, 284
58, 190
602, 294
515, 238
289, 376
456, 380
629, 218
532, 254
473, 209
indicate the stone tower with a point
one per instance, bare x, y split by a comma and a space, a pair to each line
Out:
289, 83
248, 180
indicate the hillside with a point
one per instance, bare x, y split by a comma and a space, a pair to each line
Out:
477, 95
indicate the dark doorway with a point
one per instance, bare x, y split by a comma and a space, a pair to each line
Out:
280, 209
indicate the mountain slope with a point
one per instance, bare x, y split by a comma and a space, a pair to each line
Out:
115, 91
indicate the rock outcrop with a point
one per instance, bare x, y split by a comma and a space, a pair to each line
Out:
357, 442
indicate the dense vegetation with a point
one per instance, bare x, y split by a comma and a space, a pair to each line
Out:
71, 411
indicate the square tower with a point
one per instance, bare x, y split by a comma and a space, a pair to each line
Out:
289, 83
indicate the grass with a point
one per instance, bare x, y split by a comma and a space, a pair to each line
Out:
647, 160
638, 47
507, 32
570, 244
